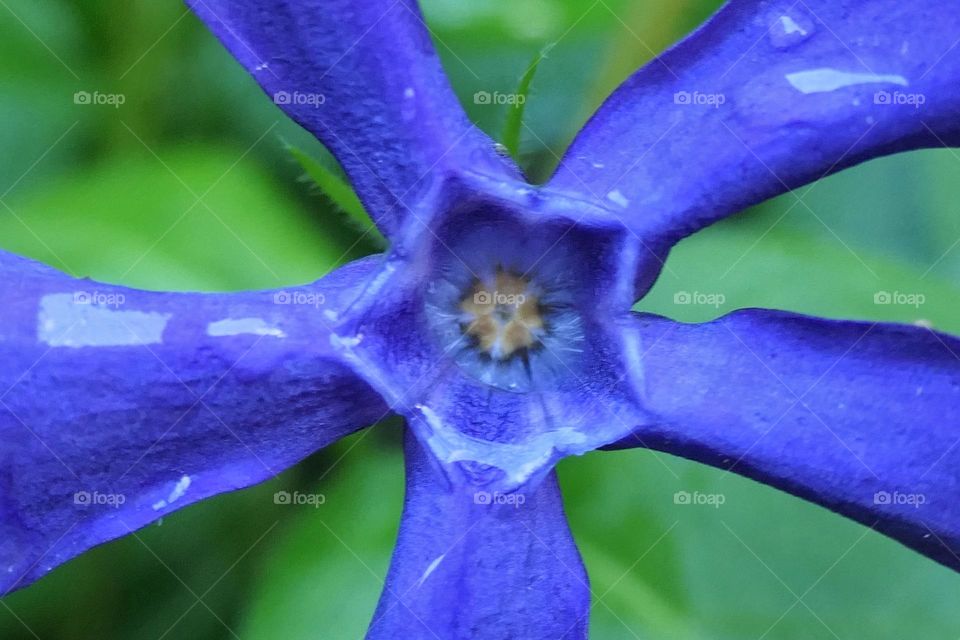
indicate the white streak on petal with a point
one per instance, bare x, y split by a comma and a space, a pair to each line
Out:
618, 198
62, 321
825, 79
790, 26
430, 569
179, 489
242, 326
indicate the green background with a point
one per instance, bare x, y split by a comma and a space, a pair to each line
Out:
187, 185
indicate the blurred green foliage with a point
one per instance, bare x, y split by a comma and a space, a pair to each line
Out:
342, 197
188, 185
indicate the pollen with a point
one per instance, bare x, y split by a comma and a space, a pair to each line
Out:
502, 316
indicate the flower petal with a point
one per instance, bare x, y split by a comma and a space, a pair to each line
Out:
364, 78
764, 98
862, 418
118, 406
473, 564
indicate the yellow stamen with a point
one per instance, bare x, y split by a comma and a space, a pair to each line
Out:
503, 318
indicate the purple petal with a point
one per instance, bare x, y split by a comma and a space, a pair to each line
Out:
766, 97
364, 78
861, 418
118, 406
474, 564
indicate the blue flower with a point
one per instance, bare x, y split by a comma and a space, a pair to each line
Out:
499, 322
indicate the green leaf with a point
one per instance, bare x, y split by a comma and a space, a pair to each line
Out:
342, 195
197, 219
514, 122
746, 263
324, 573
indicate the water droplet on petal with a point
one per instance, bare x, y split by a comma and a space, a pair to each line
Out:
408, 109
790, 29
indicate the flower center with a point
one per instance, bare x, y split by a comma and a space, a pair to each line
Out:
502, 317
504, 304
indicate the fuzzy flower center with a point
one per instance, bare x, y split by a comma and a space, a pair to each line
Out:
501, 316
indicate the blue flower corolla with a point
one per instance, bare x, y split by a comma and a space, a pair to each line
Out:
499, 322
